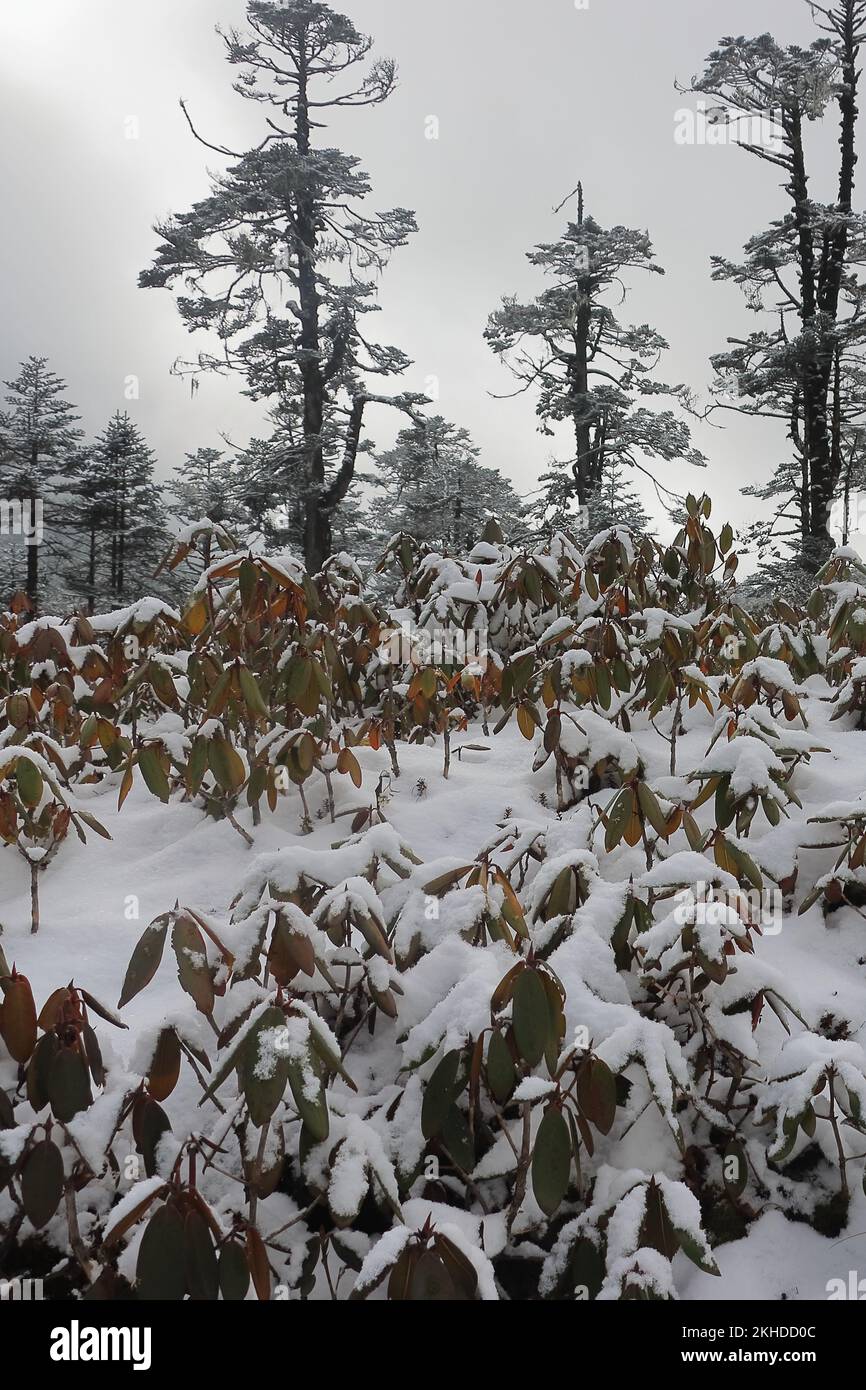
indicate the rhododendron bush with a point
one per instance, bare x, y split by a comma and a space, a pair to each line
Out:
484, 927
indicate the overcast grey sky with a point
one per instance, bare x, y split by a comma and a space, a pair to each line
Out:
531, 95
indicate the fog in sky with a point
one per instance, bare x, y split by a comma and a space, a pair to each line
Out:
530, 96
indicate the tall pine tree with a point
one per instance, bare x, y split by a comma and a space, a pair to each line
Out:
800, 274
282, 260
436, 490
124, 516
210, 487
612, 502
587, 368
39, 440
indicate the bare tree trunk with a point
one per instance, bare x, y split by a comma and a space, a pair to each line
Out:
33, 550
317, 530
580, 379
822, 302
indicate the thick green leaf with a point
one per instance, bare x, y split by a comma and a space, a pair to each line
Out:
651, 810
225, 764
234, 1275
596, 1094
161, 1268
463, 1273
551, 1161
618, 818
602, 685
456, 1138
193, 969
585, 1269
42, 1182
501, 1071
695, 1252
153, 773
165, 1067
68, 1084
431, 1280
29, 780
437, 886
657, 1230
154, 1124
252, 693
263, 1070
145, 960
440, 1093
202, 1274
530, 1017
314, 1113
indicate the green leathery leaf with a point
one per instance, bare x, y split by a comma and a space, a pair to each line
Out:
226, 764
193, 969
154, 1124
657, 1230
248, 578
160, 1271
196, 764
42, 1182
297, 677
263, 1072
202, 1273
551, 1160
7, 1113
596, 1094
695, 1252
252, 694
437, 886
234, 1275
602, 685
330, 1057
153, 772
165, 1065
38, 1068
93, 1053
30, 783
373, 935
586, 1268
559, 900
530, 1017
145, 959
501, 1071
68, 1084
440, 1093
456, 1138
651, 810
461, 1269
431, 1280
18, 1026
314, 1113
618, 818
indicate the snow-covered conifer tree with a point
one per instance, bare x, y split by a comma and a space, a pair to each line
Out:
437, 491
38, 442
208, 486
282, 259
800, 274
125, 517
587, 368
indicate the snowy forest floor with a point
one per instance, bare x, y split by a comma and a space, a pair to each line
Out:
96, 900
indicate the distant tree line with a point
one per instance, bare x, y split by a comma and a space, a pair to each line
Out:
279, 267
105, 521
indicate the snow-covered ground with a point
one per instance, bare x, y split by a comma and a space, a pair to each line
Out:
97, 898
